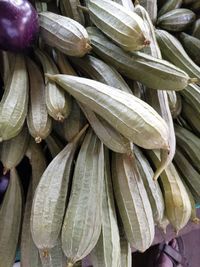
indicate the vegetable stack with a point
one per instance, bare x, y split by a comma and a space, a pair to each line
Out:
101, 116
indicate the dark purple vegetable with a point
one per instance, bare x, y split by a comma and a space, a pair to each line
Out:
18, 25
4, 181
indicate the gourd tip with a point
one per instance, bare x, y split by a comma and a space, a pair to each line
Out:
5, 170
137, 2
49, 77
83, 9
38, 139
70, 264
147, 42
193, 80
155, 177
60, 117
88, 47
196, 220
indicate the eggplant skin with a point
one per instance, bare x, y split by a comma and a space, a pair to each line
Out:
4, 181
19, 25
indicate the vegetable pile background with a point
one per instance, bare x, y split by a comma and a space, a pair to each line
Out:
99, 127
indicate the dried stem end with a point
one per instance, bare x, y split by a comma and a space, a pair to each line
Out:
193, 80
38, 139
60, 117
196, 220
147, 42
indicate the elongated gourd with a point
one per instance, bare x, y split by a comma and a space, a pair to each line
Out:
14, 103
192, 117
121, 25
158, 99
191, 45
177, 202
10, 220
176, 20
98, 70
50, 198
63, 33
58, 103
193, 216
29, 252
132, 201
173, 51
191, 107
38, 120
82, 223
132, 117
189, 174
189, 144
106, 253
13, 150
152, 187
159, 74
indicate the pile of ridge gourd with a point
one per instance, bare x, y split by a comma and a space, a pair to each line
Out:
107, 110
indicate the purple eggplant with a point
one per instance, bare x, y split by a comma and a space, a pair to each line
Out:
4, 181
18, 25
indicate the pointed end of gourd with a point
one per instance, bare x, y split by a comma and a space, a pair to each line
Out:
60, 117
177, 231
50, 77
163, 163
83, 8
196, 220
88, 47
162, 224
45, 257
164, 230
156, 175
147, 42
38, 139
5, 170
69, 264
193, 80
79, 135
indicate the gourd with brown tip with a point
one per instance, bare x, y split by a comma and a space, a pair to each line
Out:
14, 103
159, 74
63, 33
10, 220
121, 25
132, 201
129, 115
50, 198
82, 223
38, 120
